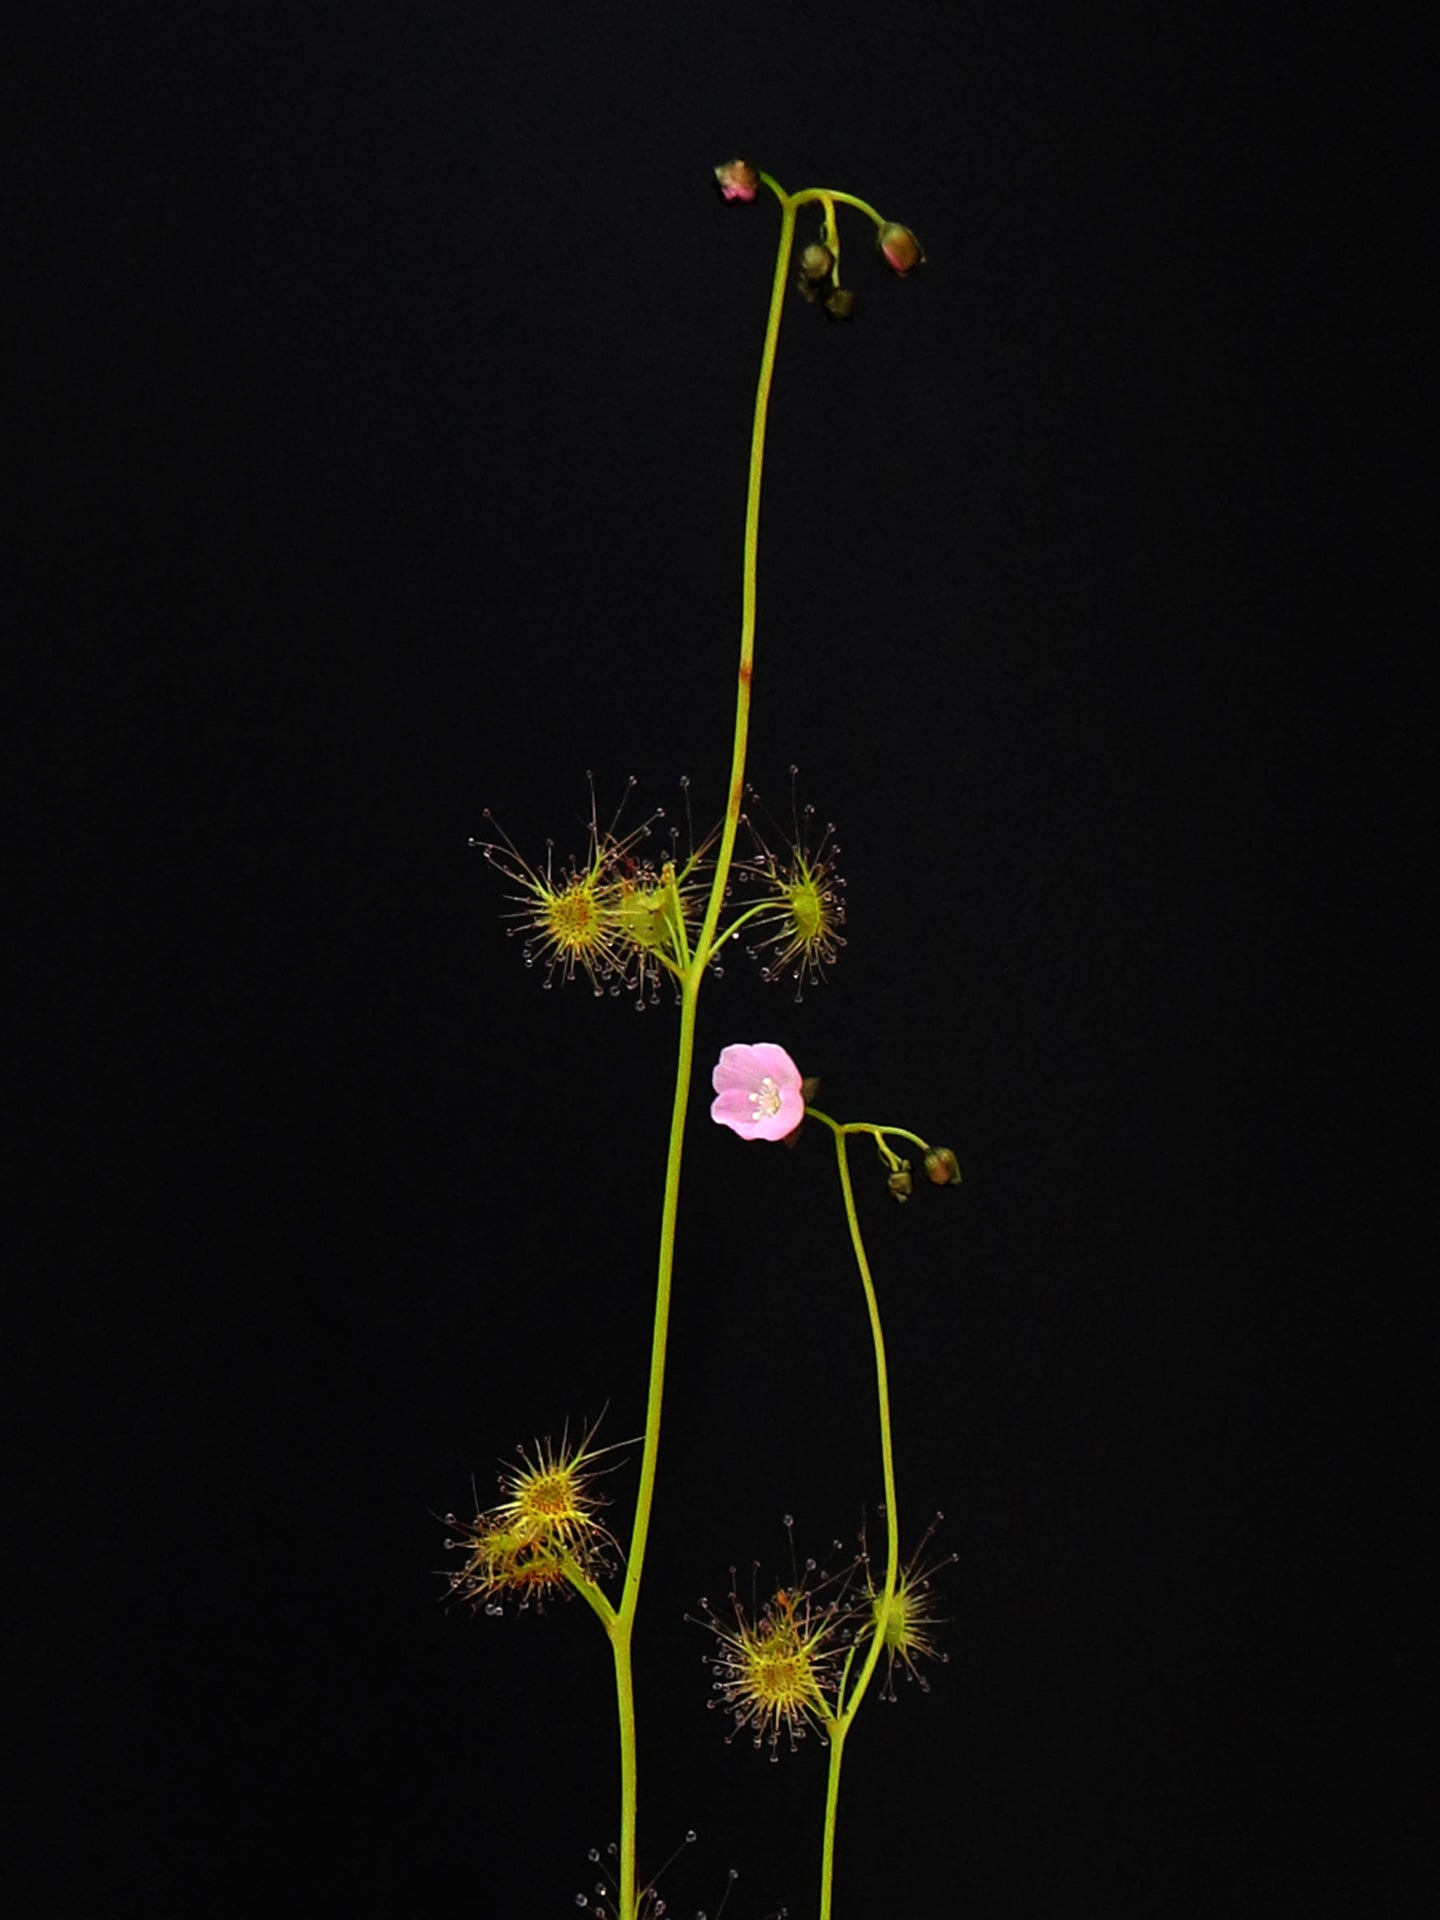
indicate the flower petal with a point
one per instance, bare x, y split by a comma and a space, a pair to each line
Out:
777, 1063
757, 1091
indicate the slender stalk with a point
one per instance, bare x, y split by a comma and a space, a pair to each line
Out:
832, 1805
880, 1133
882, 1392
629, 1771
839, 1727
622, 1630
829, 195
749, 567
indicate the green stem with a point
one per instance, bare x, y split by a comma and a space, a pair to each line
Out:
900, 1133
827, 195
622, 1630
757, 912
620, 1640
840, 1725
592, 1595
837, 1731
869, 1126
748, 585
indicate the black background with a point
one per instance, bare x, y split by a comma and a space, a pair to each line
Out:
383, 405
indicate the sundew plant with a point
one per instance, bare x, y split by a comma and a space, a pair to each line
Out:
617, 919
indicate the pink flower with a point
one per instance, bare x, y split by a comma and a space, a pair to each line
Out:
757, 1092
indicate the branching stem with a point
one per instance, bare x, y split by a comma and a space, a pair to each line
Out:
619, 1622
622, 1630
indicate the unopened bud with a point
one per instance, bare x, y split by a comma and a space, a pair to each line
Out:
942, 1167
839, 303
898, 248
899, 1183
816, 265
737, 180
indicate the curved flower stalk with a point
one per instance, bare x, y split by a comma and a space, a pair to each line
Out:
620, 921
898, 1617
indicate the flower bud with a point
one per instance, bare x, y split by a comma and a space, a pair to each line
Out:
839, 303
816, 265
942, 1167
737, 180
899, 1183
898, 248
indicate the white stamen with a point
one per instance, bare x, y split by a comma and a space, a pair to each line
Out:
767, 1101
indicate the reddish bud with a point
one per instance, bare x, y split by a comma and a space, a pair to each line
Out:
898, 248
737, 180
942, 1167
